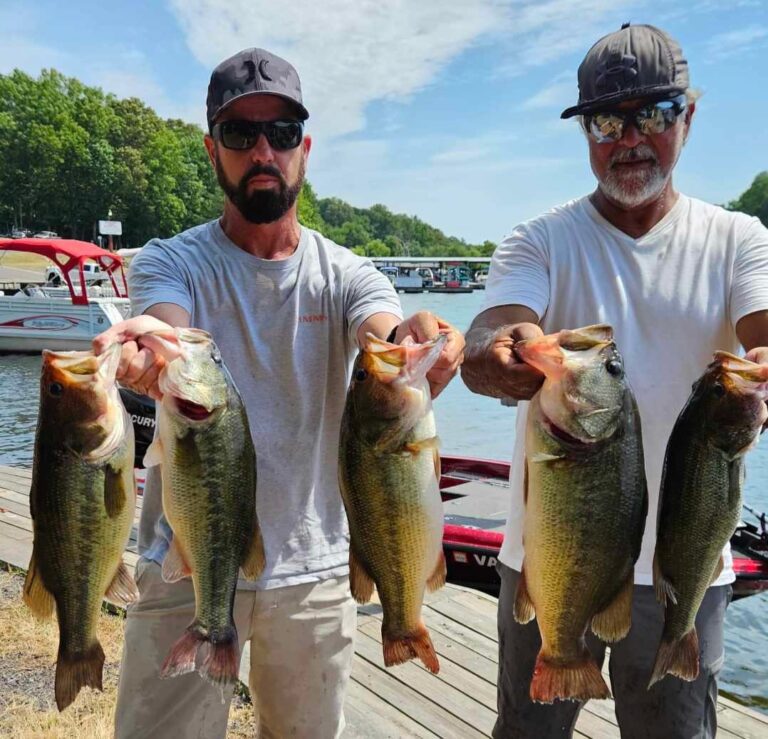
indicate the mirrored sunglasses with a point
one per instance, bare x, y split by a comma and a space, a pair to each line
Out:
609, 126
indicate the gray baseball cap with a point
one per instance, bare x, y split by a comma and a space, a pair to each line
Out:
253, 72
634, 62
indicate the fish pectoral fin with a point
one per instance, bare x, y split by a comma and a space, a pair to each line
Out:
175, 565
437, 578
523, 610
154, 453
613, 622
122, 590
37, 597
115, 495
360, 582
718, 569
664, 589
416, 447
255, 560
544, 457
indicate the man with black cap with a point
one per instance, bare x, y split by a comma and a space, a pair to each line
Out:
677, 278
288, 310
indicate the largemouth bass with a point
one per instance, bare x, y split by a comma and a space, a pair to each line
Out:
700, 502
209, 497
389, 470
586, 504
82, 502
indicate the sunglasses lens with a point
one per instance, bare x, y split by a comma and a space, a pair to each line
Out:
238, 134
284, 135
657, 118
605, 127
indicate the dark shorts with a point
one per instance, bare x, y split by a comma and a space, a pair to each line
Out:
671, 709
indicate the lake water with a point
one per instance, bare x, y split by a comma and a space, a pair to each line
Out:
469, 425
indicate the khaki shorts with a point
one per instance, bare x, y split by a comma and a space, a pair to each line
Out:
672, 709
302, 644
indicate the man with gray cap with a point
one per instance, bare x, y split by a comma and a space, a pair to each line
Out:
288, 310
678, 279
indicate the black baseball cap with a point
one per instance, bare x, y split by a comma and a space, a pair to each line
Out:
253, 72
633, 62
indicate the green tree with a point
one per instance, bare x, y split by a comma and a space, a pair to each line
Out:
754, 200
377, 248
308, 209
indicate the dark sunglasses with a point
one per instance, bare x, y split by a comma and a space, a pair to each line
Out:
281, 135
609, 125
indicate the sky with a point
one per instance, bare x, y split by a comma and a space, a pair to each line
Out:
444, 109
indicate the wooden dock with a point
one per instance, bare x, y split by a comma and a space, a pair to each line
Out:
406, 701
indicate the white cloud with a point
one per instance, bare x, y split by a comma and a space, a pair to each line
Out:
560, 93
738, 41
350, 53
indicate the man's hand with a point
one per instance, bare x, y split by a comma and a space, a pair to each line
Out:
424, 326
139, 366
759, 355
491, 366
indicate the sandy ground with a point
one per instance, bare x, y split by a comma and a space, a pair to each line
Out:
27, 664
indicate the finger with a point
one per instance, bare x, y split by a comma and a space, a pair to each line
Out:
148, 382
423, 326
127, 354
127, 331
525, 331
140, 364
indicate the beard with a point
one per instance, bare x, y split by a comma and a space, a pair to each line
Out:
261, 206
632, 188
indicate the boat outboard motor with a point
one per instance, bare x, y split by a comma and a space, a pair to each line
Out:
141, 409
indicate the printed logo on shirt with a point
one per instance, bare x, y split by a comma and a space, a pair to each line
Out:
313, 318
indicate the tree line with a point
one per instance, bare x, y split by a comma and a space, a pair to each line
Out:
72, 154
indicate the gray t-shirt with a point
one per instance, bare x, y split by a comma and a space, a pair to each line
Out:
287, 331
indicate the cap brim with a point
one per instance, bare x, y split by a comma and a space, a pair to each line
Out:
659, 92
303, 112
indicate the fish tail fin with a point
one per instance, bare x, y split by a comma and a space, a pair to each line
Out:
403, 647
183, 654
580, 680
75, 671
221, 665
679, 657
37, 597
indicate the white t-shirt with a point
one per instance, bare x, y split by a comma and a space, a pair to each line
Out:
287, 331
673, 297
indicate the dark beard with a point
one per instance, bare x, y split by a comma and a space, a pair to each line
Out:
261, 206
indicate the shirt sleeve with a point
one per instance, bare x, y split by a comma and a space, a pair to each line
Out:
519, 273
368, 292
155, 276
749, 288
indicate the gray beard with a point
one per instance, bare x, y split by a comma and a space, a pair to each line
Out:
636, 189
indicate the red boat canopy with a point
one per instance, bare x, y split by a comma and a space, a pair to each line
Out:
69, 254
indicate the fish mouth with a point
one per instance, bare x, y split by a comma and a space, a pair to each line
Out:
192, 411
408, 362
550, 353
84, 366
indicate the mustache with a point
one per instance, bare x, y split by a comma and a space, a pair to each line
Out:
259, 169
642, 151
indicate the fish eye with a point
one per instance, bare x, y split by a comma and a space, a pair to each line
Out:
718, 390
614, 367
55, 389
361, 375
